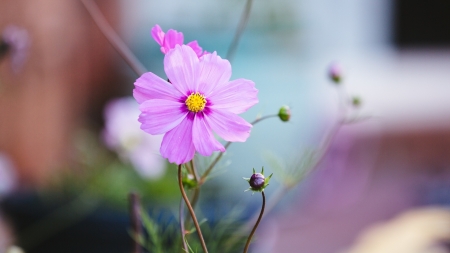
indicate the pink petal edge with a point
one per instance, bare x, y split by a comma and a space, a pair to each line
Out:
151, 86
181, 66
203, 138
236, 96
213, 72
227, 125
159, 116
158, 34
177, 145
172, 39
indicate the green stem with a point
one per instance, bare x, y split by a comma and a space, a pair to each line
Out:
209, 169
191, 210
242, 23
113, 37
185, 248
203, 178
257, 222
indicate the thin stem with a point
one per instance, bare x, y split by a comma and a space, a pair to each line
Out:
196, 194
242, 24
203, 178
135, 213
257, 222
194, 171
195, 198
185, 248
216, 160
263, 118
113, 38
191, 210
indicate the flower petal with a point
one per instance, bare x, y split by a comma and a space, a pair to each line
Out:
214, 71
151, 86
159, 116
158, 34
228, 125
181, 67
177, 144
172, 39
204, 141
196, 47
236, 96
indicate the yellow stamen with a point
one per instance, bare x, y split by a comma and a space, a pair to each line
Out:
195, 102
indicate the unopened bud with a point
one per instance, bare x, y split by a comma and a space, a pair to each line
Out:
356, 101
257, 181
335, 73
285, 113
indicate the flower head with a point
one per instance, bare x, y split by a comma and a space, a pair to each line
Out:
199, 99
284, 113
169, 40
335, 73
122, 134
258, 182
17, 41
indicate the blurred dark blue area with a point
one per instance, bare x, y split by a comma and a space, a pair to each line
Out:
99, 230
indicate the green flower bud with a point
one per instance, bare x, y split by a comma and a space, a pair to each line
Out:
284, 113
335, 73
188, 181
356, 101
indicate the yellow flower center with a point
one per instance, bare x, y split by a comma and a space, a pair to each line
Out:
195, 102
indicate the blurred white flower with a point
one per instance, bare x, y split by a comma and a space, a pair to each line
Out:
122, 134
14, 249
8, 177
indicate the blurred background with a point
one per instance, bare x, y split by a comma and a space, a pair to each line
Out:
69, 157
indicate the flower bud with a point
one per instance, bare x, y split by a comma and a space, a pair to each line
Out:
189, 181
284, 113
356, 101
335, 73
257, 181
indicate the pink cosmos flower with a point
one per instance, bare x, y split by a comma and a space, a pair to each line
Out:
171, 39
198, 101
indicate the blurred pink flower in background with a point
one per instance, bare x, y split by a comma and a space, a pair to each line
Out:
18, 41
172, 38
198, 100
8, 176
123, 135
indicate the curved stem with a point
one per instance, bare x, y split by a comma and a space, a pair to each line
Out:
194, 201
185, 248
194, 171
191, 210
209, 169
240, 30
263, 118
202, 179
257, 222
113, 38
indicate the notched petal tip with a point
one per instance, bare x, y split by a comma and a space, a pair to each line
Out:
158, 34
